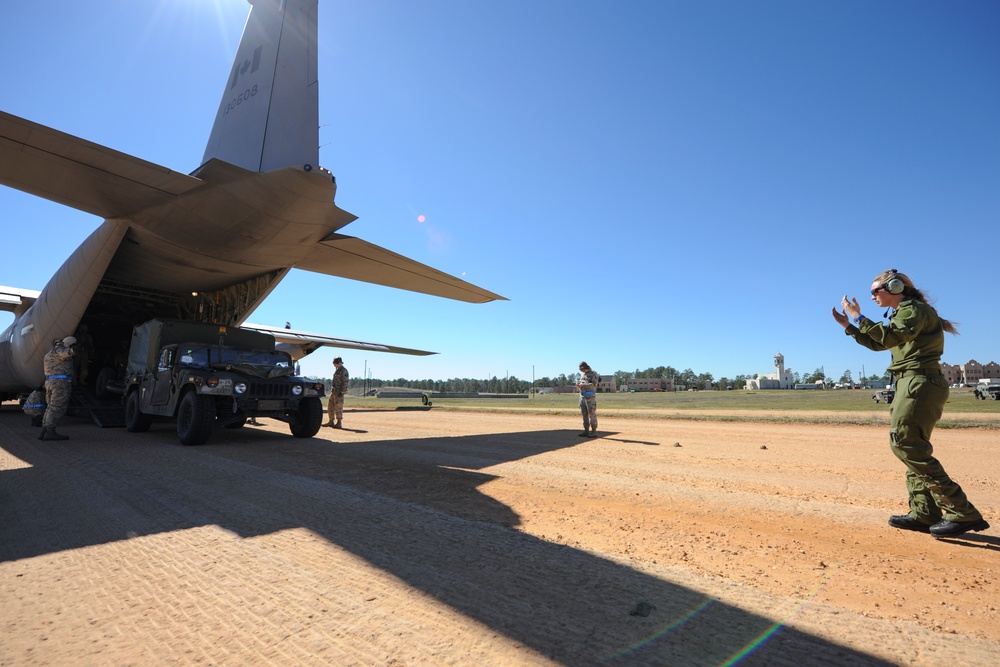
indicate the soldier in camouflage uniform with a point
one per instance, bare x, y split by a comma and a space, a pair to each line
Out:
34, 406
588, 399
58, 365
915, 336
338, 387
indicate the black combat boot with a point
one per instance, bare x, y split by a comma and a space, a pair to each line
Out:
51, 434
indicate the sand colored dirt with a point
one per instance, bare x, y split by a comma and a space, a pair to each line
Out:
454, 537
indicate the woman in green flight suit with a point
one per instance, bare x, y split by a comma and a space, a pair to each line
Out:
915, 336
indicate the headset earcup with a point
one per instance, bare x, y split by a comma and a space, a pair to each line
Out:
895, 286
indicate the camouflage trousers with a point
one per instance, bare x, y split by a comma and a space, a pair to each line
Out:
57, 394
916, 409
588, 408
335, 408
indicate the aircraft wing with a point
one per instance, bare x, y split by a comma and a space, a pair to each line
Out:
16, 300
300, 343
79, 173
350, 257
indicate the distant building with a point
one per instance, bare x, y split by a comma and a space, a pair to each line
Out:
606, 385
781, 378
971, 372
651, 384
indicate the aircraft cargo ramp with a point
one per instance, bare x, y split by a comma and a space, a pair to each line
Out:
105, 412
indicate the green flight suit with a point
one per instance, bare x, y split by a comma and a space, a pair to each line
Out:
915, 337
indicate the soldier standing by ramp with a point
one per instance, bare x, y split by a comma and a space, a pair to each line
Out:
58, 365
338, 387
84, 354
588, 399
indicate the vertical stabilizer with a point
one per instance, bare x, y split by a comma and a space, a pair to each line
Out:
269, 114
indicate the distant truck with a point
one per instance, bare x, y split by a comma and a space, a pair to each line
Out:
206, 375
988, 388
885, 395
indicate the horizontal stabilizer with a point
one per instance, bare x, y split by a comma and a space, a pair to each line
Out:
81, 174
305, 342
16, 300
350, 257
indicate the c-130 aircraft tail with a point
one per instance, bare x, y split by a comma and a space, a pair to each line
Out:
269, 114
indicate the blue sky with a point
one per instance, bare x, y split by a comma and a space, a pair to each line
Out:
692, 184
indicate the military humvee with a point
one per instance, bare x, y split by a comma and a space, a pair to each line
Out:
206, 375
884, 395
987, 388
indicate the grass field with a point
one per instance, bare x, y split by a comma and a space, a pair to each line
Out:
843, 406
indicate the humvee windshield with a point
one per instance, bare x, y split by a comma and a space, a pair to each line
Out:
262, 364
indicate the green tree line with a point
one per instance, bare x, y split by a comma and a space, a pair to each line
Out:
514, 385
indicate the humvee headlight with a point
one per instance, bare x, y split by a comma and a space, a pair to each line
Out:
212, 381
240, 388
297, 389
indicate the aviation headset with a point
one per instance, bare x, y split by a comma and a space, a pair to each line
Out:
894, 285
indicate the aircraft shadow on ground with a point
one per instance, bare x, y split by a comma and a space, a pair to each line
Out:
391, 503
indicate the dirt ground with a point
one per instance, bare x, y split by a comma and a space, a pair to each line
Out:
432, 537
